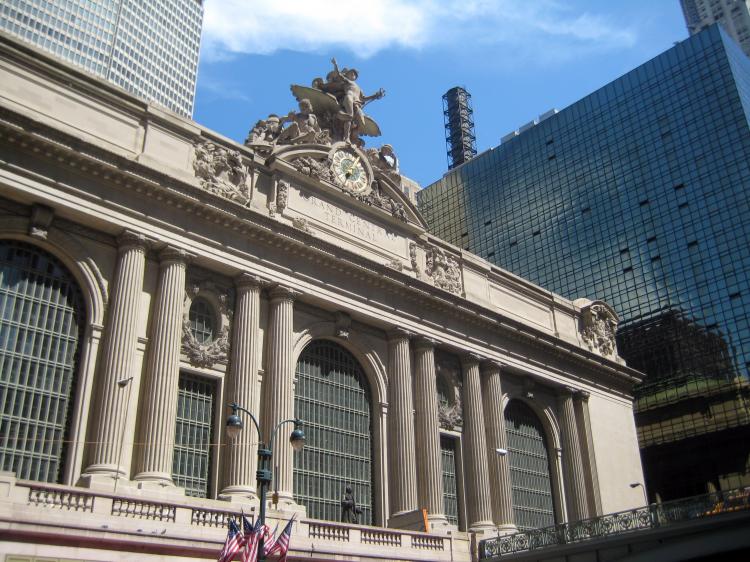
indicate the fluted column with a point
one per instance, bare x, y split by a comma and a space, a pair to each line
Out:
117, 356
575, 481
278, 397
478, 503
494, 422
427, 426
241, 453
581, 406
402, 473
159, 407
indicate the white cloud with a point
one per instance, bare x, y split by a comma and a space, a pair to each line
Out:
368, 26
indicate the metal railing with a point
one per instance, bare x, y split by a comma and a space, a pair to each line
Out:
656, 515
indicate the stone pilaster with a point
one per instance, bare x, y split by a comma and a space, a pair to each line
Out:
159, 407
427, 426
478, 501
278, 388
494, 422
241, 454
117, 357
583, 422
402, 473
575, 480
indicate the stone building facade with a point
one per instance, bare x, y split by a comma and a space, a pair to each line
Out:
153, 271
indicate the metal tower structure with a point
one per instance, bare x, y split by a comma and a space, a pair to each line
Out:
460, 141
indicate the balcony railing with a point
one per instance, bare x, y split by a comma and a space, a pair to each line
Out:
657, 515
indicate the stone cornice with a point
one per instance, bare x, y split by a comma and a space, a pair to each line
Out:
126, 173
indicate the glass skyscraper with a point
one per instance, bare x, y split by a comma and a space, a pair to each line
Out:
148, 47
639, 194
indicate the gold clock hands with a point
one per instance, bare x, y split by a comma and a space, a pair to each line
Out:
350, 169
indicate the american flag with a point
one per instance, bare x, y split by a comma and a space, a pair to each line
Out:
232, 544
281, 545
251, 540
269, 538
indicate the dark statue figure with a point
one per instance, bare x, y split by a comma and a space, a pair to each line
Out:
349, 511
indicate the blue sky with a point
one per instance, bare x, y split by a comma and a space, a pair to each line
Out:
517, 58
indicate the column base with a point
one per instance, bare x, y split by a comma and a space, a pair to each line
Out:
239, 495
102, 482
484, 528
506, 529
407, 520
439, 523
105, 470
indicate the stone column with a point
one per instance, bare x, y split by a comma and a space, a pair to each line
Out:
278, 388
241, 454
575, 480
494, 422
159, 407
427, 425
476, 477
583, 422
117, 357
402, 472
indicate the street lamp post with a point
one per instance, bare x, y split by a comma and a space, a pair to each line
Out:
264, 474
642, 487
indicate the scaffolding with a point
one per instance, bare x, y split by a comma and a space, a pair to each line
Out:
461, 144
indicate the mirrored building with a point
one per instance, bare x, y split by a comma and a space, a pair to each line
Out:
639, 192
148, 48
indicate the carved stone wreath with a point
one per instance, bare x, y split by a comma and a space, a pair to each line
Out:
444, 270
217, 350
448, 397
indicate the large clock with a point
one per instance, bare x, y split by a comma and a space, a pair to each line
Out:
349, 171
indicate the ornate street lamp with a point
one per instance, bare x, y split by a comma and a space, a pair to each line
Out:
264, 474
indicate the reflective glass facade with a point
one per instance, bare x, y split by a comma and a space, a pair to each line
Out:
148, 47
638, 194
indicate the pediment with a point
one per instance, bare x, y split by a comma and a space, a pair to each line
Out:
376, 189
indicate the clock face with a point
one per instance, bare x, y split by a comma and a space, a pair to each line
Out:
349, 171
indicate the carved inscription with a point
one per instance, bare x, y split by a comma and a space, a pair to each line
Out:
349, 222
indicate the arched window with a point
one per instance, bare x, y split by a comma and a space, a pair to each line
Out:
41, 323
332, 397
533, 505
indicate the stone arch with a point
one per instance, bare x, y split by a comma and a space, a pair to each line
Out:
550, 435
72, 254
375, 372
45, 329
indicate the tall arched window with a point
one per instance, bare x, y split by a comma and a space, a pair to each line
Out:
41, 322
332, 397
533, 505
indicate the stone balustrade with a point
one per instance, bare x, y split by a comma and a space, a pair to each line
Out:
203, 522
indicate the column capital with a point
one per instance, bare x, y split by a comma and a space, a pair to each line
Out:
171, 254
492, 365
582, 395
469, 359
398, 333
566, 392
283, 293
249, 280
130, 239
423, 343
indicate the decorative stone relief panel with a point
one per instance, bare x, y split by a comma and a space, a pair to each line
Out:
448, 373
221, 172
598, 327
444, 270
207, 350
